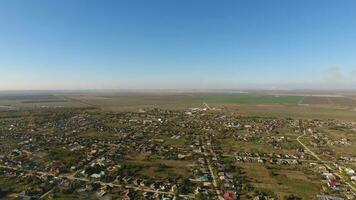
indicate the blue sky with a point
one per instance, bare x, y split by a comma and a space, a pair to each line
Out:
182, 44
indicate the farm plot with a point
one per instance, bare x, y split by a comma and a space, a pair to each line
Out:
314, 100
318, 100
343, 101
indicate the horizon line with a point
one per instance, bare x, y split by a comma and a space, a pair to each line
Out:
178, 90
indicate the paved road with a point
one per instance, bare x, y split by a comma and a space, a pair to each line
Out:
267, 158
215, 183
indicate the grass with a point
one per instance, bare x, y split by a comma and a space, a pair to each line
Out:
65, 156
158, 168
61, 196
231, 146
283, 181
11, 185
180, 142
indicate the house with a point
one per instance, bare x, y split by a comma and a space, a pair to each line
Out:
327, 197
334, 183
229, 196
349, 171
328, 175
353, 178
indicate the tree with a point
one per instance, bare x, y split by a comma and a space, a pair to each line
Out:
2, 193
185, 186
200, 196
292, 197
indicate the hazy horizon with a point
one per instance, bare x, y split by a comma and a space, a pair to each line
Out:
177, 45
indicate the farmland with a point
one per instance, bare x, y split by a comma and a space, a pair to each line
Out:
322, 100
251, 99
258, 104
16, 101
154, 145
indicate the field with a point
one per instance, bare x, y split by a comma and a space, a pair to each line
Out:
232, 146
242, 139
305, 112
179, 100
283, 181
135, 101
257, 104
251, 99
17, 101
158, 168
316, 100
321, 100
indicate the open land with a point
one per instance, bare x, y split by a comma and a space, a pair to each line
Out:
169, 145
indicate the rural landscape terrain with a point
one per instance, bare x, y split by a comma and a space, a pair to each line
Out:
178, 145
177, 100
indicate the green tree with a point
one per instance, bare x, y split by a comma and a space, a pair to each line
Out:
292, 197
185, 186
2, 193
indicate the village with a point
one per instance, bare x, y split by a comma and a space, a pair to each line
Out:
197, 153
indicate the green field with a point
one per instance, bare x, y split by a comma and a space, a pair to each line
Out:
38, 101
231, 146
158, 168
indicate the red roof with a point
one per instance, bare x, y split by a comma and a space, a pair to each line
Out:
229, 196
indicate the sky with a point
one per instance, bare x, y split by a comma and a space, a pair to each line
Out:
177, 44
